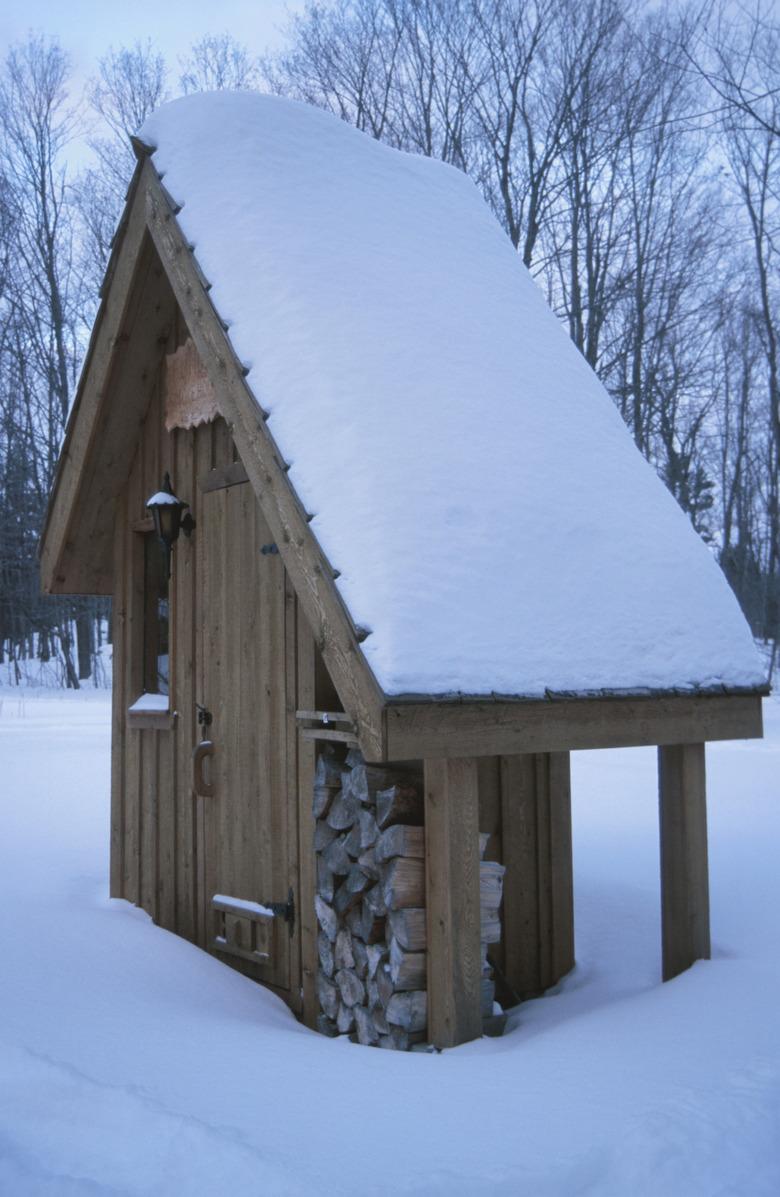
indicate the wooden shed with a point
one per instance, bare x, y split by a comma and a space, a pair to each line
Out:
345, 718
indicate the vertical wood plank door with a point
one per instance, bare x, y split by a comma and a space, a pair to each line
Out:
248, 827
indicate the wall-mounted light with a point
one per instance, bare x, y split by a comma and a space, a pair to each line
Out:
169, 518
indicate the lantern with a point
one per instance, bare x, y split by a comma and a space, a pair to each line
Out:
169, 519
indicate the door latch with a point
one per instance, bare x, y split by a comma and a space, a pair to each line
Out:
284, 910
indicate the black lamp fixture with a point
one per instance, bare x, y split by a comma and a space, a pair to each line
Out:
169, 518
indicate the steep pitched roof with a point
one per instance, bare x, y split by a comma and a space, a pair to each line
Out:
493, 526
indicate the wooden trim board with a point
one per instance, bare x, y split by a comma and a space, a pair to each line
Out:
511, 728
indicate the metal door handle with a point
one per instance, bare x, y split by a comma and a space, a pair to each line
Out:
203, 788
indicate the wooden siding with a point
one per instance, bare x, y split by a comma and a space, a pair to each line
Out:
525, 806
240, 645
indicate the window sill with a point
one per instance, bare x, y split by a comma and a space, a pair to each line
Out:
151, 712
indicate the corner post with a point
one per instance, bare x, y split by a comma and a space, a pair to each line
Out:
685, 902
452, 900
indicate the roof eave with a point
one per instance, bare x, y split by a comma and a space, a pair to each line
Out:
417, 726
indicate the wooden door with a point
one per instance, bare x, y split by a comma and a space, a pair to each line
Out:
248, 826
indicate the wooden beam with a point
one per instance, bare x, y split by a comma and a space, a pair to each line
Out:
151, 720
452, 901
685, 901
340, 737
220, 479
538, 909
310, 572
307, 865
484, 728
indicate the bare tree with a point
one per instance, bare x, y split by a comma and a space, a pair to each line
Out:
42, 302
746, 76
344, 57
630, 151
130, 83
218, 62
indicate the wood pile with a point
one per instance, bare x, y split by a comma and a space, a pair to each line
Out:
370, 844
370, 902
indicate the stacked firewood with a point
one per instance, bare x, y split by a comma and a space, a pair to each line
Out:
370, 901
370, 844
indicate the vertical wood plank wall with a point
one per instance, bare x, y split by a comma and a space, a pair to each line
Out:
525, 805
156, 821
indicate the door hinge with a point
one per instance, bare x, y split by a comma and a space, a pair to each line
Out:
284, 910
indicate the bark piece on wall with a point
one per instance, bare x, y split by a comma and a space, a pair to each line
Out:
189, 396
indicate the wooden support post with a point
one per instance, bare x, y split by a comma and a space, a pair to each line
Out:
685, 900
452, 900
307, 862
538, 911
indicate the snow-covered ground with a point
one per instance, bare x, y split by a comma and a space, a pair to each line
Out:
130, 1062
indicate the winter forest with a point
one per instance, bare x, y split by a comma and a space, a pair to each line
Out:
630, 150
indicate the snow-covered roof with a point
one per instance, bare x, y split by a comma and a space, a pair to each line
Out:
495, 528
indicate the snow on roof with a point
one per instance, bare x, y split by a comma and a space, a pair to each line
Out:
493, 523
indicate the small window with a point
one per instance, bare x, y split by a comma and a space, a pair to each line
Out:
156, 617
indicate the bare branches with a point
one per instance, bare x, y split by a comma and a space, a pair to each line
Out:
601, 133
218, 62
630, 151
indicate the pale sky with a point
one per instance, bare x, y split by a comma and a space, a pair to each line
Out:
86, 28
